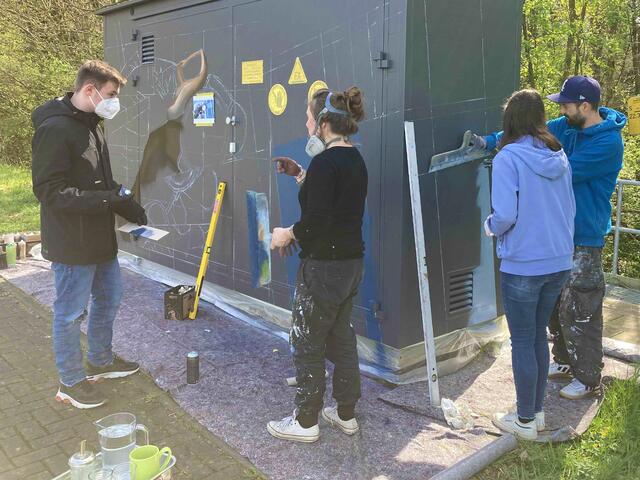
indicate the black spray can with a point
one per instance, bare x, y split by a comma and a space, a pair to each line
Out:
193, 367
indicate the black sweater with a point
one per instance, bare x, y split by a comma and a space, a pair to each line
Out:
332, 199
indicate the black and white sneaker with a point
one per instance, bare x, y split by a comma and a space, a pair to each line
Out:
82, 395
117, 369
577, 390
558, 370
509, 422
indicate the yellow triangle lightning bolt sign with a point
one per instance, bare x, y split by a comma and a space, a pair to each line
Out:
297, 74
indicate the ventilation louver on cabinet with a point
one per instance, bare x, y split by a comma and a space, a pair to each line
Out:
460, 292
148, 49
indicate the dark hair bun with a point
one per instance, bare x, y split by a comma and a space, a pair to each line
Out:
354, 103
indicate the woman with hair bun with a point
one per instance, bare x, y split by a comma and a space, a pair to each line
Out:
332, 200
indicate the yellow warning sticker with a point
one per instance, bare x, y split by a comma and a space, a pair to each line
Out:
315, 86
277, 99
297, 74
252, 72
633, 114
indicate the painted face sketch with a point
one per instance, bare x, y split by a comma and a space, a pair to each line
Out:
163, 146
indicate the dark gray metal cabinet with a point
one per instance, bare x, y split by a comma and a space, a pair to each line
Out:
446, 65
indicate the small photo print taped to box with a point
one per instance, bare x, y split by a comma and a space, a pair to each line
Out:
204, 111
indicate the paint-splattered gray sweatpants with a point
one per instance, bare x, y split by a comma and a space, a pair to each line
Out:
576, 322
321, 328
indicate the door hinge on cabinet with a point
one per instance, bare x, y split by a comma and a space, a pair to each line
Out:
382, 60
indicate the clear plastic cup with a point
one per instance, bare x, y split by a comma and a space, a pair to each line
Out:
124, 471
101, 474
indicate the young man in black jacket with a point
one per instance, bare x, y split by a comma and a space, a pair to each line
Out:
78, 197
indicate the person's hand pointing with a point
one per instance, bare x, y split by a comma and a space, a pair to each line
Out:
288, 166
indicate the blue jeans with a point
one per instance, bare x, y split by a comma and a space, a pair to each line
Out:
75, 285
528, 303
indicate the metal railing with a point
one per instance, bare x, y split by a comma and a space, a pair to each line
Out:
617, 228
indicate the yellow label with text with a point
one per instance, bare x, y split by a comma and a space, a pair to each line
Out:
634, 115
252, 72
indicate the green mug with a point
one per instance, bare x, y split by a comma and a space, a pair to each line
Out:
147, 461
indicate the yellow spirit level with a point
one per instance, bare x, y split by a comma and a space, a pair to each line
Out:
206, 254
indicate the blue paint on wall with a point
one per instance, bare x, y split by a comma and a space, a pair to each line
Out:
288, 197
290, 213
369, 287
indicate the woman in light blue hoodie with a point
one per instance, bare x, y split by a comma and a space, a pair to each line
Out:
533, 218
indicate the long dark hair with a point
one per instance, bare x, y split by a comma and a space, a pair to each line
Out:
524, 115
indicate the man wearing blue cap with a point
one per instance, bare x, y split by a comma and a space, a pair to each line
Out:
591, 137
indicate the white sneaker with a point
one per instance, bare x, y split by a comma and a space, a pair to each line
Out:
558, 370
540, 423
577, 390
508, 422
330, 415
290, 429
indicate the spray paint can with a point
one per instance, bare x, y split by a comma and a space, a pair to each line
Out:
193, 367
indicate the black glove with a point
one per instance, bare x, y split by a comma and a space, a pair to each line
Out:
132, 211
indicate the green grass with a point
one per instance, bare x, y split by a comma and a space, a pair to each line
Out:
19, 209
608, 450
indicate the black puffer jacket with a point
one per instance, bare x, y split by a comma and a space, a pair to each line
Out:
73, 181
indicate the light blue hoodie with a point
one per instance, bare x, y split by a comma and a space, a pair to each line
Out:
533, 208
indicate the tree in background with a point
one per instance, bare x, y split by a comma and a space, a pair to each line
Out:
600, 38
595, 37
43, 44
45, 41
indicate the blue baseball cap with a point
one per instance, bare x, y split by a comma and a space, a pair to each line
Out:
578, 89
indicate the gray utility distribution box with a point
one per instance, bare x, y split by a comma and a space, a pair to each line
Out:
191, 119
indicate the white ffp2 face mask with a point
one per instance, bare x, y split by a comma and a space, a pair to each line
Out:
107, 107
315, 144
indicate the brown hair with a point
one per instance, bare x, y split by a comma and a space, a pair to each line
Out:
98, 73
524, 115
595, 106
350, 101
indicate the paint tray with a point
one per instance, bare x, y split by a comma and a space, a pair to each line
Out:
465, 154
